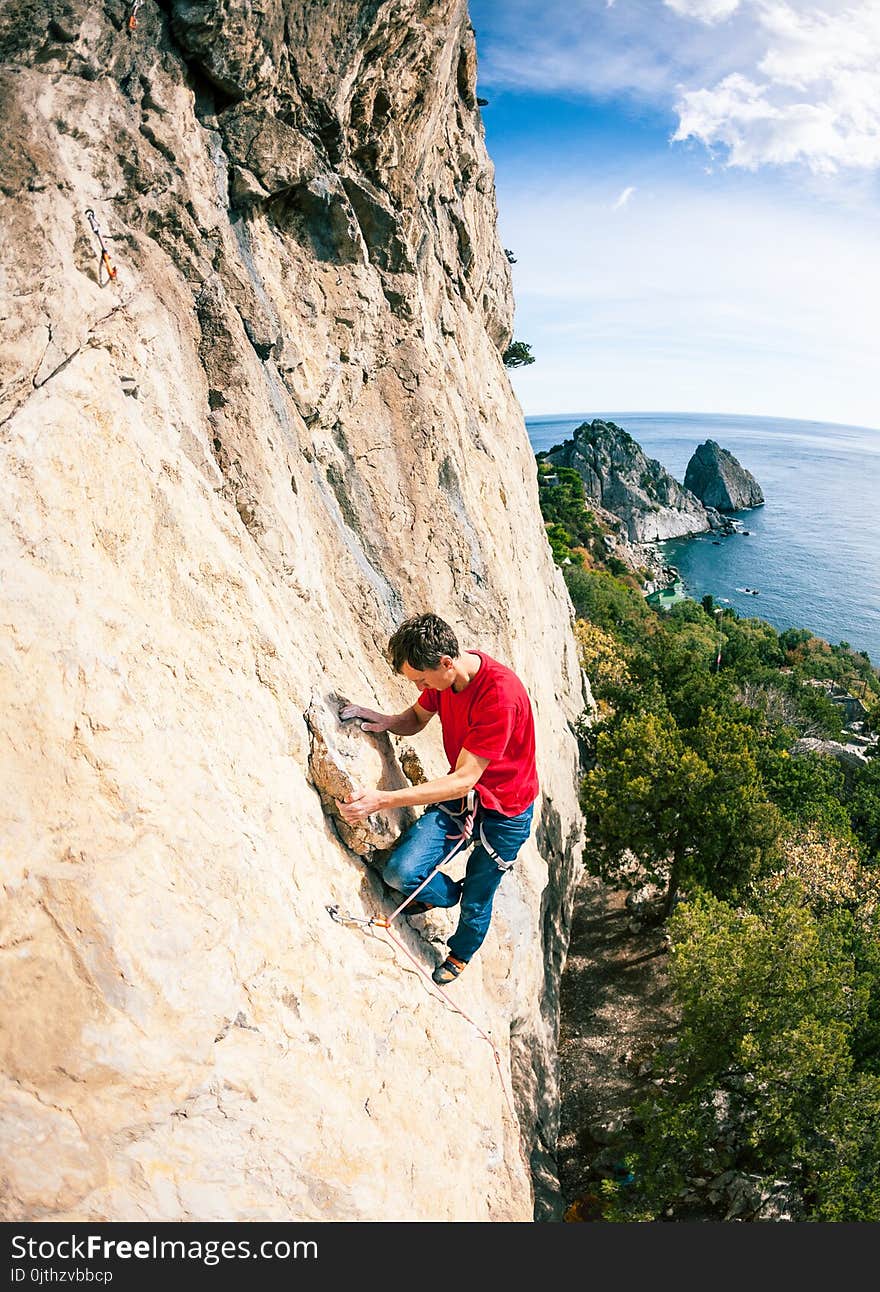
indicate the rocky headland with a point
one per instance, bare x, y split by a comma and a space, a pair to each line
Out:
715, 477
620, 477
641, 504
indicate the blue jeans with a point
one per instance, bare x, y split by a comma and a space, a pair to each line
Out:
425, 844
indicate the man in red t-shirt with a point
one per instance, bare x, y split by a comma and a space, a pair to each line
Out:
489, 738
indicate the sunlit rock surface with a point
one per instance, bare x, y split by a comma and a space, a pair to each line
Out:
227, 474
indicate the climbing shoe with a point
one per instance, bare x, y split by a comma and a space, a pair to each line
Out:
418, 908
449, 970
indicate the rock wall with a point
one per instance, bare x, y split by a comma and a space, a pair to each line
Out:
227, 473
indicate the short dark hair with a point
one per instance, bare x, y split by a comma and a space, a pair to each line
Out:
420, 642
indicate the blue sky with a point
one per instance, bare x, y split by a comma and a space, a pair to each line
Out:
691, 190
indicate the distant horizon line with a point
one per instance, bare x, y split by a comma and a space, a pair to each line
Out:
670, 412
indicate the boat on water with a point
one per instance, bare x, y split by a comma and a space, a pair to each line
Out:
753, 592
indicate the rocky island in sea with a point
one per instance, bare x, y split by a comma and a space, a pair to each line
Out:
619, 477
715, 477
640, 504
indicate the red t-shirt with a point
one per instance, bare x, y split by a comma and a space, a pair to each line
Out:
492, 718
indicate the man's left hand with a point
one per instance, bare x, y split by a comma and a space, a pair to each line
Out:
359, 805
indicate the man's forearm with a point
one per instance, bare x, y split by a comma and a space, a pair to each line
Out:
452, 786
404, 724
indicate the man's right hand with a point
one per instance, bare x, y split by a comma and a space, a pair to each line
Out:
371, 720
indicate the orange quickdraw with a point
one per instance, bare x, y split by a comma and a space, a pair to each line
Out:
105, 255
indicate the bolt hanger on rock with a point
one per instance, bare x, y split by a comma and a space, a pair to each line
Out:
105, 255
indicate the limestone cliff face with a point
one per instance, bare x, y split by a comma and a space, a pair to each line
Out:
227, 473
619, 476
719, 481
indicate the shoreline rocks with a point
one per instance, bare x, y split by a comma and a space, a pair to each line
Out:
637, 497
619, 476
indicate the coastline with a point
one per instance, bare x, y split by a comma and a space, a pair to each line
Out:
811, 548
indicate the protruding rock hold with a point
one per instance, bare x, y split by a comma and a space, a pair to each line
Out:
717, 479
344, 758
466, 75
381, 226
237, 46
280, 158
412, 765
330, 221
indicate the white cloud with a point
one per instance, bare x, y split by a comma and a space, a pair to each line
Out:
709, 11
763, 82
813, 98
727, 292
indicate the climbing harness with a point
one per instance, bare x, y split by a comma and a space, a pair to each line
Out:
132, 17
105, 255
465, 820
496, 856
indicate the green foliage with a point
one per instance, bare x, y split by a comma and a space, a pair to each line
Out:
763, 1077
787, 702
812, 657
807, 789
791, 638
559, 538
618, 568
688, 804
815, 706
604, 659
776, 945
749, 644
864, 807
847, 1187
569, 521
677, 660
684, 654
600, 597
517, 354
872, 722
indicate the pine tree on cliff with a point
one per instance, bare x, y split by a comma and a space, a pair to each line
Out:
518, 354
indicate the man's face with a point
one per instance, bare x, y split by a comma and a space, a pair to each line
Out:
431, 679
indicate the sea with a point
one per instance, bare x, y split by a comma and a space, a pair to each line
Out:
812, 551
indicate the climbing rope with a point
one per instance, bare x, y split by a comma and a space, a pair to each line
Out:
465, 819
132, 17
105, 255
448, 999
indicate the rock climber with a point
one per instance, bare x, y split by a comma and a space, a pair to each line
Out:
489, 739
